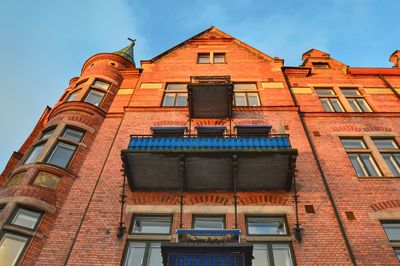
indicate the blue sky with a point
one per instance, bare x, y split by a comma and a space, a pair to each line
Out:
45, 42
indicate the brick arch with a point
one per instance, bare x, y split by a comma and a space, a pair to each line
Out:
261, 199
209, 199
385, 205
170, 123
155, 199
211, 123
362, 129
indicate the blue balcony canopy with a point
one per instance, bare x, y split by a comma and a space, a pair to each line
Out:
198, 163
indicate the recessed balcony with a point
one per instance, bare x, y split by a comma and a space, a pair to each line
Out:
199, 163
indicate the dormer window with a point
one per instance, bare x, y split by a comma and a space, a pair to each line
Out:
219, 58
211, 58
203, 58
320, 65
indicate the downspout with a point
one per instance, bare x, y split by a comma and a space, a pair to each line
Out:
324, 179
389, 85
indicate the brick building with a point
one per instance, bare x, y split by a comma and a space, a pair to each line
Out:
211, 153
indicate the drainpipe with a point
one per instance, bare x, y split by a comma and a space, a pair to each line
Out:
324, 179
389, 85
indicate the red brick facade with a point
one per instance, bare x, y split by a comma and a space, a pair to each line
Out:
81, 216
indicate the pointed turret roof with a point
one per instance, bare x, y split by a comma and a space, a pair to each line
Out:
127, 52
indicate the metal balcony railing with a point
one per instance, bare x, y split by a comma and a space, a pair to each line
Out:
271, 142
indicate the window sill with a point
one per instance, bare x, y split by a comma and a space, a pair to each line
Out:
377, 177
25, 231
149, 237
269, 238
394, 244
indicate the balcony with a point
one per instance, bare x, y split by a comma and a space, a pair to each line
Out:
220, 163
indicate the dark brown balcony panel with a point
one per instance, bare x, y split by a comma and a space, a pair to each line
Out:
210, 101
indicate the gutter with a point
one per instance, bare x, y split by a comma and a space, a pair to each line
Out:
324, 179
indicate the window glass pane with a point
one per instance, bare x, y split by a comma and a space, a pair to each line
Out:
26, 218
324, 92
155, 258
253, 99
151, 225
240, 99
327, 105
266, 226
46, 180
363, 105
15, 180
204, 58
176, 87
219, 58
181, 99
354, 105
61, 154
47, 134
135, 254
260, 254
94, 97
101, 85
353, 144
369, 164
350, 92
72, 134
209, 223
397, 250
393, 161
169, 99
73, 96
337, 106
385, 143
34, 154
392, 230
357, 164
245, 86
11, 247
282, 255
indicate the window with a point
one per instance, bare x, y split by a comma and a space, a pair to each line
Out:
329, 100
219, 58
208, 222
151, 225
72, 134
147, 253
278, 254
266, 226
203, 58
97, 92
46, 134
26, 218
175, 95
73, 96
47, 180
65, 147
207, 58
360, 157
356, 100
94, 97
143, 254
390, 153
61, 154
12, 244
392, 230
34, 154
11, 247
320, 64
15, 179
246, 94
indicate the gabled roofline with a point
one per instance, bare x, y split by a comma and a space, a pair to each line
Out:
227, 36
